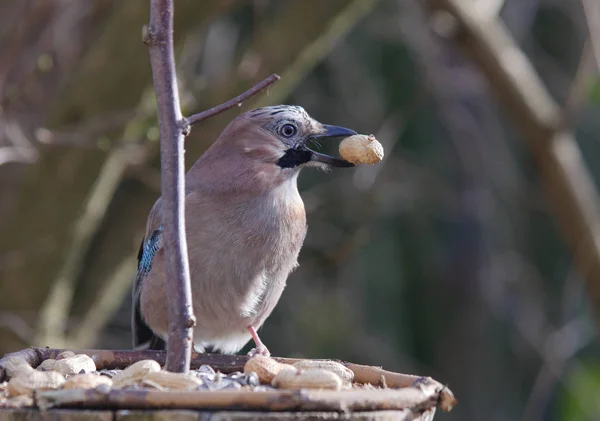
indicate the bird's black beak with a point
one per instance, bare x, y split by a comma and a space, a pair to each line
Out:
331, 131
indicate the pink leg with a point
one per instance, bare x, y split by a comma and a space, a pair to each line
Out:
260, 349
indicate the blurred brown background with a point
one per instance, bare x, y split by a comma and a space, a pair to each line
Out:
445, 260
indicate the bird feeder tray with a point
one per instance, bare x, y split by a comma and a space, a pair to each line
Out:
375, 394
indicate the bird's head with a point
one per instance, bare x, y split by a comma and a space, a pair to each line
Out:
281, 135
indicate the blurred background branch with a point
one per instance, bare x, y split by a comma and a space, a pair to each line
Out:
565, 174
591, 10
445, 260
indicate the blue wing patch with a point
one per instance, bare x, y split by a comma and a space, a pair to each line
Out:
152, 245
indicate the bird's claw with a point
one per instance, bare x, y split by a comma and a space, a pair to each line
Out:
259, 350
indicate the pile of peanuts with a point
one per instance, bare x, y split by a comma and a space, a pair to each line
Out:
304, 374
70, 371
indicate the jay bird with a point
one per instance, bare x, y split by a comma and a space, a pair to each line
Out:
245, 225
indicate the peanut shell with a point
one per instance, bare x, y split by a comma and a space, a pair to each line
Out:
70, 365
314, 378
25, 382
135, 373
265, 367
75, 365
341, 370
16, 402
12, 365
176, 381
46, 365
65, 354
361, 149
87, 381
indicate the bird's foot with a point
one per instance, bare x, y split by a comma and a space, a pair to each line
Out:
260, 348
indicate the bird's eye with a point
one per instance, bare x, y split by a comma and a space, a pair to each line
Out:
288, 130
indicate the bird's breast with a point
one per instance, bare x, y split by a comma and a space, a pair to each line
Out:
241, 252
277, 227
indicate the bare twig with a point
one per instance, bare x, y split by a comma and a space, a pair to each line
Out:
197, 118
158, 35
173, 127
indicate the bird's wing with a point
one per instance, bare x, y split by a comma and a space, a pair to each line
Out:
143, 337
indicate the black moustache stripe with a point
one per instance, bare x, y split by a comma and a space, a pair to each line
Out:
294, 157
